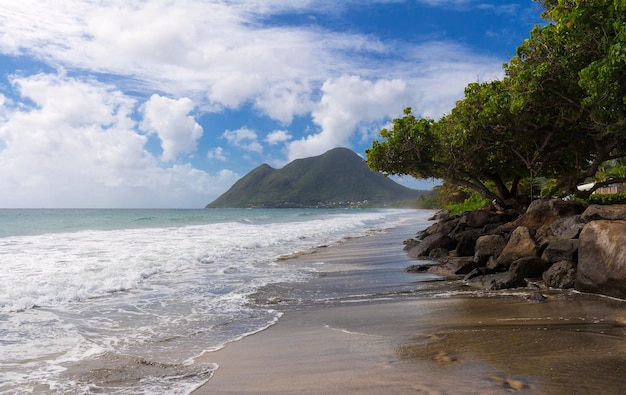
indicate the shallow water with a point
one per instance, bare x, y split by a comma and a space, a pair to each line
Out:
123, 301
429, 335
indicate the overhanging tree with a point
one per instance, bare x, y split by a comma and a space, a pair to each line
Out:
558, 114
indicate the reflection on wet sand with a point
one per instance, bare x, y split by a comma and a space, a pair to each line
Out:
567, 344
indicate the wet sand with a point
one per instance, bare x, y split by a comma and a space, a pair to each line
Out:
366, 327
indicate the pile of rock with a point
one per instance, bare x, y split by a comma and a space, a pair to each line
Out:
564, 243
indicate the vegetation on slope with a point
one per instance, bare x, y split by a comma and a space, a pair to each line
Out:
338, 178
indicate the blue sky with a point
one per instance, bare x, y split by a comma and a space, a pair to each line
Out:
158, 103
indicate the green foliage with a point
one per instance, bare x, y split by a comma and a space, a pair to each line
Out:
559, 114
338, 178
610, 198
474, 202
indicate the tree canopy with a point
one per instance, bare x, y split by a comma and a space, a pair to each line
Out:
559, 113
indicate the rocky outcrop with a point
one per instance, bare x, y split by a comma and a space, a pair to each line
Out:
562, 243
602, 258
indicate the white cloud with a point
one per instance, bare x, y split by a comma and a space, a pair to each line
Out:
73, 143
217, 153
170, 120
284, 100
243, 138
200, 55
215, 52
277, 137
348, 102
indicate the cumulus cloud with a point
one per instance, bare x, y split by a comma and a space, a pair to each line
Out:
170, 120
277, 137
73, 143
217, 153
200, 56
348, 102
243, 138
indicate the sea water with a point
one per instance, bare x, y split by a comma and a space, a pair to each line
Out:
123, 301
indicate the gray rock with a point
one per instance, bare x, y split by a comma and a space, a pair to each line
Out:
561, 250
453, 267
437, 240
602, 258
560, 275
567, 227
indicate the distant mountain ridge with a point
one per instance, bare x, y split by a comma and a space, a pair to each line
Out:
338, 178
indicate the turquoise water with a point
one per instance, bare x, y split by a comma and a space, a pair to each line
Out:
147, 291
20, 222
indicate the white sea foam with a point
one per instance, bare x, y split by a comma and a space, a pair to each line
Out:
164, 294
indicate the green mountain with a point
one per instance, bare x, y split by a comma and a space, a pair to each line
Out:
338, 178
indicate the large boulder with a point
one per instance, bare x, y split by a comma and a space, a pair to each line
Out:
611, 212
488, 246
520, 245
545, 211
560, 275
602, 258
561, 250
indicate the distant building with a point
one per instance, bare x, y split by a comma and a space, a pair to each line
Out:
612, 188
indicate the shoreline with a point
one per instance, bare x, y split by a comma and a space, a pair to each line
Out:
367, 327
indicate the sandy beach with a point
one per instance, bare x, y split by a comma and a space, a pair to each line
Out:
367, 327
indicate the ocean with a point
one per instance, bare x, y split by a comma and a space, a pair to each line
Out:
133, 297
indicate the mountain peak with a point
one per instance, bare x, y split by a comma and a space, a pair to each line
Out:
337, 178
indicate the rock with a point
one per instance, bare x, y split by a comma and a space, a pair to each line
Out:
567, 227
599, 212
488, 246
440, 215
545, 211
602, 258
543, 236
536, 297
436, 240
410, 243
445, 227
467, 242
494, 266
530, 267
479, 271
493, 282
560, 275
453, 267
437, 253
417, 268
480, 218
520, 245
561, 250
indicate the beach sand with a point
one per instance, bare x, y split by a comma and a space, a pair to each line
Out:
364, 326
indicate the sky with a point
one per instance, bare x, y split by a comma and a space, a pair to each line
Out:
167, 103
